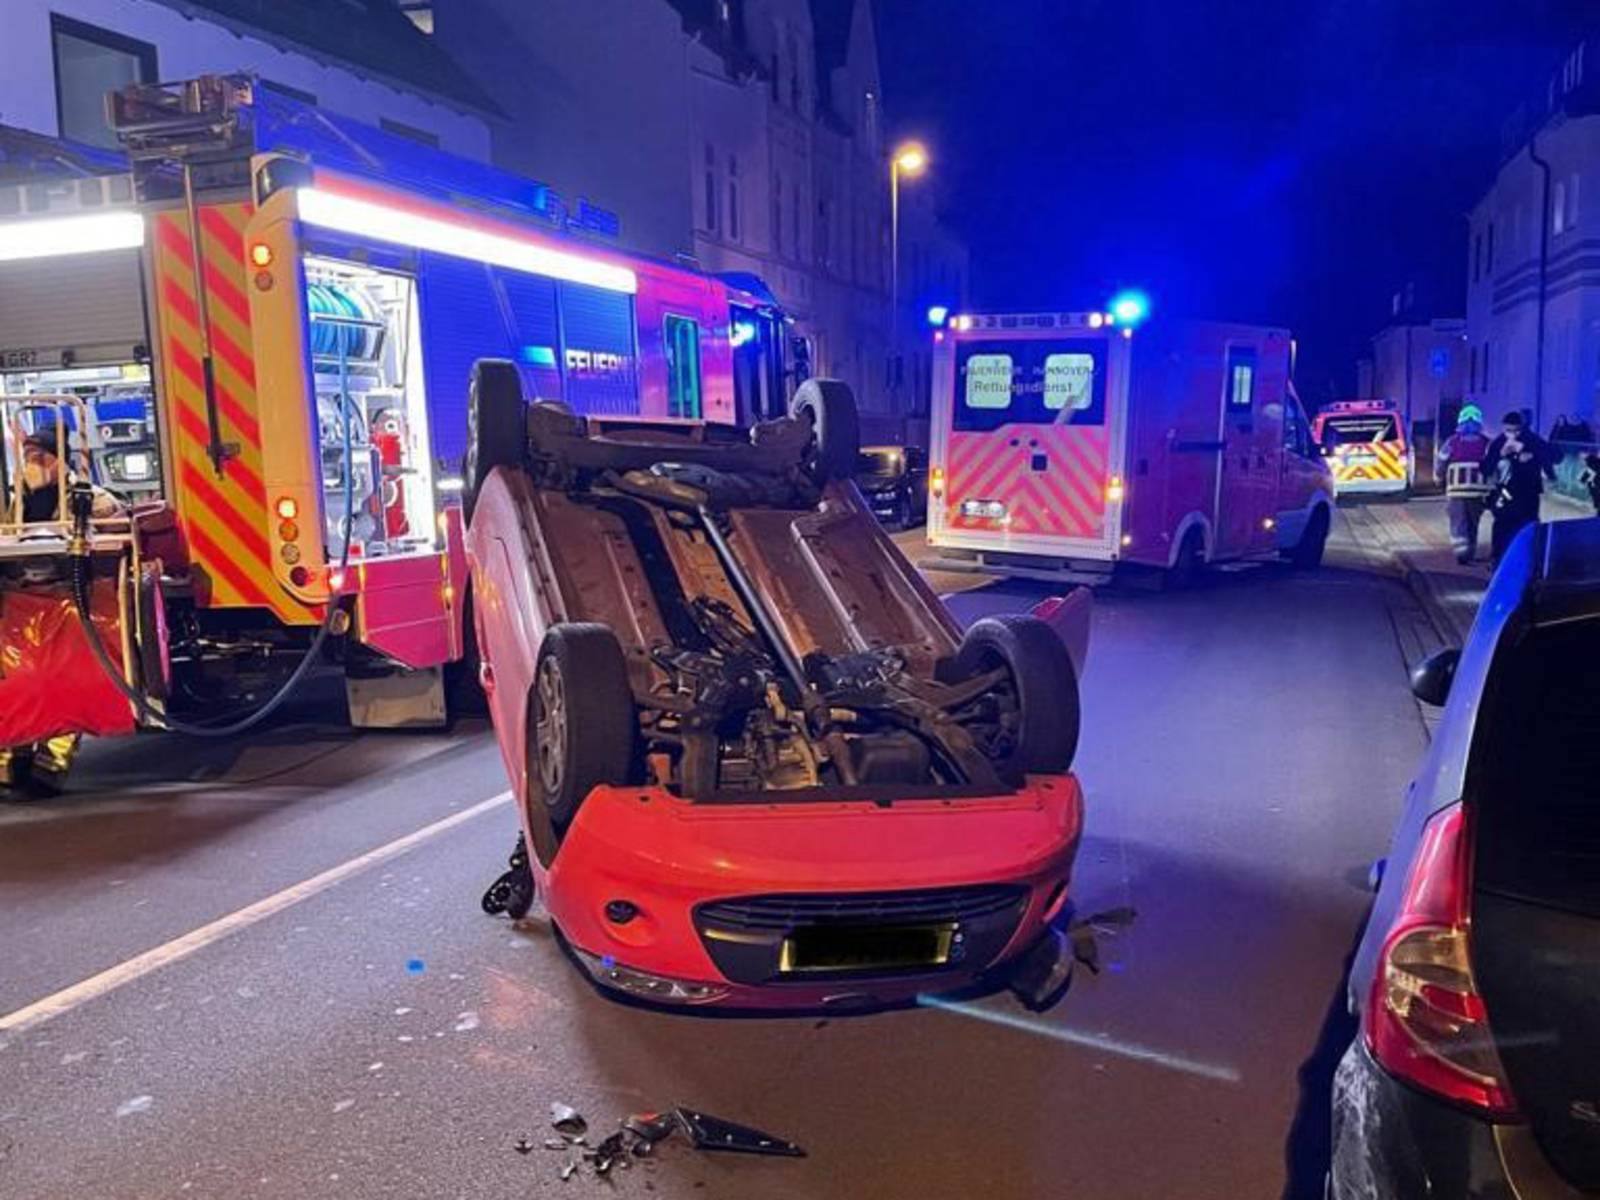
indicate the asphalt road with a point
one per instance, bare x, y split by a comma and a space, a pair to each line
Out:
373, 1034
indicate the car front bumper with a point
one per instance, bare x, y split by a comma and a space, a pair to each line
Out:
705, 888
1391, 1142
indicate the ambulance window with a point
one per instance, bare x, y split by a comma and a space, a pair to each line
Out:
683, 367
1241, 378
1030, 382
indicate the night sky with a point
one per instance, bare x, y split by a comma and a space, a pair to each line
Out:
1283, 161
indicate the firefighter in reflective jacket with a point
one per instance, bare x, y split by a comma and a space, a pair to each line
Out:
44, 764
1461, 462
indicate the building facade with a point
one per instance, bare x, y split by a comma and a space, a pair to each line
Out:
367, 62
1533, 257
1421, 367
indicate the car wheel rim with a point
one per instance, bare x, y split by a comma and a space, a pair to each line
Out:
550, 731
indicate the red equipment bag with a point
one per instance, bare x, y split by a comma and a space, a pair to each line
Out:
50, 681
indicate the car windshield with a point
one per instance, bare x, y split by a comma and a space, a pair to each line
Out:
1349, 431
881, 462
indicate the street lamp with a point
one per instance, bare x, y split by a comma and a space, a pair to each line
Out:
909, 159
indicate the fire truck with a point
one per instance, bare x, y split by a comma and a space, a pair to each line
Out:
257, 329
1065, 444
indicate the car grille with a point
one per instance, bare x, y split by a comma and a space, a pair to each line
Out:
921, 907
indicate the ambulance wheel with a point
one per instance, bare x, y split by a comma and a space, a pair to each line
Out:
1185, 570
463, 686
1307, 554
1035, 718
829, 406
496, 424
581, 722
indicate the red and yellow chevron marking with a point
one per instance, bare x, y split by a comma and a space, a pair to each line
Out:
224, 520
1388, 463
1066, 499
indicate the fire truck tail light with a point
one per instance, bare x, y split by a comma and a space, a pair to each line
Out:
300, 577
288, 509
288, 531
1114, 490
936, 481
289, 552
261, 254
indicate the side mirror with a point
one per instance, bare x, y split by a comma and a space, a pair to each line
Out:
1431, 678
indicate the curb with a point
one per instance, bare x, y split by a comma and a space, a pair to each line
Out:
1423, 587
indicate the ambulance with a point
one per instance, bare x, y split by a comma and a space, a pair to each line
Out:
1364, 442
1069, 444
258, 331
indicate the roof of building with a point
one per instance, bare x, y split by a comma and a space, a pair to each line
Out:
372, 37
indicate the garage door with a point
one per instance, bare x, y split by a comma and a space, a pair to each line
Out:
74, 310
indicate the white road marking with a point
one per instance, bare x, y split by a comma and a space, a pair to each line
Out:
179, 948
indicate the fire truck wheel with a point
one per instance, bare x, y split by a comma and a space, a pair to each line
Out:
155, 668
830, 407
496, 424
1307, 554
1037, 717
463, 691
581, 722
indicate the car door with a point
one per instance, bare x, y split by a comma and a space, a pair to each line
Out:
1242, 466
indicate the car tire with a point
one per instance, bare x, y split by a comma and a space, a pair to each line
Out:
1307, 554
829, 406
1185, 570
497, 426
1044, 738
582, 727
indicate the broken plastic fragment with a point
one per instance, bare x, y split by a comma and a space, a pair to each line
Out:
650, 1128
567, 1120
607, 1153
714, 1133
556, 1143
522, 1146
568, 1170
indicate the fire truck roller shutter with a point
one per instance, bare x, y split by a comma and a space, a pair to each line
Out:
463, 320
90, 306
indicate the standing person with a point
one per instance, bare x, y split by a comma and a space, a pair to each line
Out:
1518, 462
1461, 464
43, 764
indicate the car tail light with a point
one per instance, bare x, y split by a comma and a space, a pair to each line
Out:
1425, 1021
936, 482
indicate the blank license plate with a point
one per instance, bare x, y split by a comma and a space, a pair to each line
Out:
865, 947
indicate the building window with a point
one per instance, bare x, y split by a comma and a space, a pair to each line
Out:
89, 63
1572, 201
795, 208
1485, 370
711, 189
1477, 255
777, 212
1488, 251
733, 197
1558, 208
824, 220
776, 82
410, 132
1472, 368
794, 73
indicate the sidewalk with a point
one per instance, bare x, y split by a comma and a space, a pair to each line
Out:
1415, 535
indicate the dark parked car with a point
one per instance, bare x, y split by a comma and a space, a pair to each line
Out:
894, 479
1477, 1069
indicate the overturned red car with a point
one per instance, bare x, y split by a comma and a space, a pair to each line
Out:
757, 763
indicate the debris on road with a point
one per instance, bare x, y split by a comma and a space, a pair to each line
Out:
567, 1120
715, 1133
637, 1137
